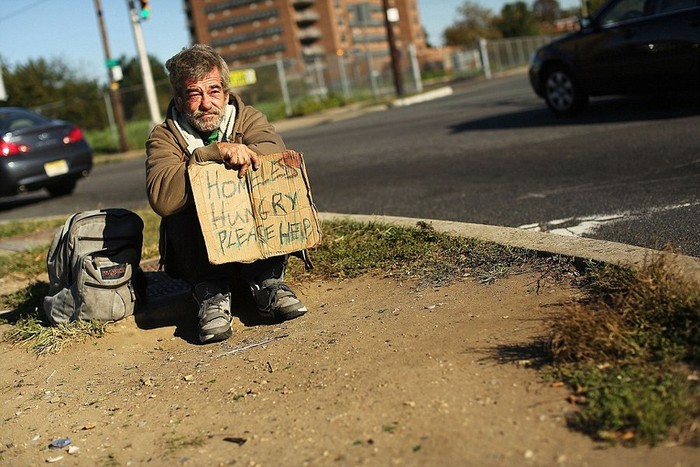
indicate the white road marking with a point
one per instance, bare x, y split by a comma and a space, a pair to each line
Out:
579, 226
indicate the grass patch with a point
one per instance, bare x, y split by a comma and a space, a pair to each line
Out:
105, 141
29, 263
628, 352
651, 315
350, 249
16, 228
43, 339
24, 264
630, 403
30, 327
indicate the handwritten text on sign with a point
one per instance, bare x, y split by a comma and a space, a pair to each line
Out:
269, 213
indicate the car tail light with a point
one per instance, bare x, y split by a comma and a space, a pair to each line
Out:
10, 149
73, 136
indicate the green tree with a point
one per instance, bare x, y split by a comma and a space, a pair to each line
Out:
572, 11
475, 22
593, 6
546, 10
517, 20
55, 90
133, 92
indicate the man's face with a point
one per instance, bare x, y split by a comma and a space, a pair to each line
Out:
203, 102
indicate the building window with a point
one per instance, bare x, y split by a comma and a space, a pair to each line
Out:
258, 35
227, 5
243, 19
255, 52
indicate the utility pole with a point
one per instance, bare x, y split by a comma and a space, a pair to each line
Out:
3, 91
391, 15
146, 73
113, 83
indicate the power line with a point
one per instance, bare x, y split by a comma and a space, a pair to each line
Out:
22, 10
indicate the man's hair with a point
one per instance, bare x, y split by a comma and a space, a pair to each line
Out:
194, 63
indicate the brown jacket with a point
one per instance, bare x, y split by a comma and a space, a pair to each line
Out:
169, 192
167, 155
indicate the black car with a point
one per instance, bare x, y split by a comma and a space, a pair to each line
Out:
627, 47
37, 152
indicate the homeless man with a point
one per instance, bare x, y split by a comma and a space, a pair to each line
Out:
206, 122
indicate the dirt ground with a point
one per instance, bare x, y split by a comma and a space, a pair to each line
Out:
377, 373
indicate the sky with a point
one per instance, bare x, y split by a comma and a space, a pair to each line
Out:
68, 30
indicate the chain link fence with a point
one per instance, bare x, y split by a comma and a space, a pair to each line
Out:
289, 87
496, 55
285, 88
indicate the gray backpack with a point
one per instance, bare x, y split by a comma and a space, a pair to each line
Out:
93, 266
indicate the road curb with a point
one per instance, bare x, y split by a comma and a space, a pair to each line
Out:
580, 248
583, 249
424, 97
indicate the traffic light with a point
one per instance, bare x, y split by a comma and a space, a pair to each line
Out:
145, 9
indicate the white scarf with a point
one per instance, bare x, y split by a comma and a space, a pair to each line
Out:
191, 135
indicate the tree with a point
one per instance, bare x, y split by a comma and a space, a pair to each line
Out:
132, 88
55, 90
517, 20
476, 22
427, 39
593, 6
546, 11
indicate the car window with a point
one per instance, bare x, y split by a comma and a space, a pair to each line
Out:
15, 120
623, 10
664, 6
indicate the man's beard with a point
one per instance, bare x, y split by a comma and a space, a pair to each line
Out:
205, 125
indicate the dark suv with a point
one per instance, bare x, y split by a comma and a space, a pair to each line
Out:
627, 47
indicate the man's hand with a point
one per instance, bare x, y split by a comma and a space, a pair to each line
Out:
239, 156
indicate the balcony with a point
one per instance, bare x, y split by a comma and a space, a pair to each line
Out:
307, 17
303, 3
308, 35
313, 51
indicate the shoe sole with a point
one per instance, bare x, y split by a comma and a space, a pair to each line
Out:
281, 317
221, 336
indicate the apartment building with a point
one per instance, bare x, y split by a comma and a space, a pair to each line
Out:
247, 32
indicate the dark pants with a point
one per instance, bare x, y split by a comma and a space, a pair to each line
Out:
184, 255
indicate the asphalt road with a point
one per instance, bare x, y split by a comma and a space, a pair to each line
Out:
627, 170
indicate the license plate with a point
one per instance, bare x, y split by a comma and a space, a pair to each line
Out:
55, 168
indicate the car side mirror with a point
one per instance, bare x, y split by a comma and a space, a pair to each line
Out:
585, 23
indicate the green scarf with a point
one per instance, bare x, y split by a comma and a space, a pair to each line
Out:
211, 138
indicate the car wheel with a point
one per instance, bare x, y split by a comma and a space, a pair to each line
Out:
62, 189
563, 96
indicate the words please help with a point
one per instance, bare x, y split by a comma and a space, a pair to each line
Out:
269, 212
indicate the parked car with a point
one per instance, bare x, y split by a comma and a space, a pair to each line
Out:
37, 152
627, 47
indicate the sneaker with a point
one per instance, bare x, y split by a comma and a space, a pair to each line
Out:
214, 312
276, 300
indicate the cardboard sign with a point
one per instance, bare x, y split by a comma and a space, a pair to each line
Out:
267, 213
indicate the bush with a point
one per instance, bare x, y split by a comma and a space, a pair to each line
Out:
106, 141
